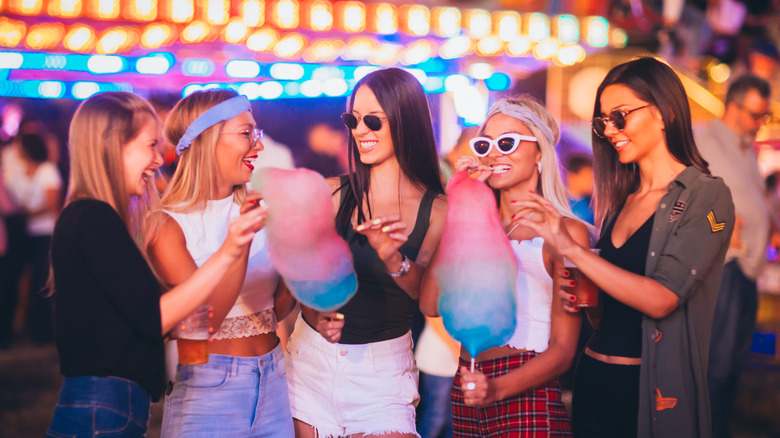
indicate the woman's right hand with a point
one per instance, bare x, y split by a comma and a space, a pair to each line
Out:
471, 165
244, 227
329, 325
565, 281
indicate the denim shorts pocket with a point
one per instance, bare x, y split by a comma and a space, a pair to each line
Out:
203, 376
397, 364
112, 422
70, 421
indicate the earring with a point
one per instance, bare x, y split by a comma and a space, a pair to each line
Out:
539, 165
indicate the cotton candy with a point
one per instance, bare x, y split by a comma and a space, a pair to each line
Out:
305, 249
476, 268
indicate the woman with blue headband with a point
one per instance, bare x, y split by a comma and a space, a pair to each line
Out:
515, 391
110, 315
242, 389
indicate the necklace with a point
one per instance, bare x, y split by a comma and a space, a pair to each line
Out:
511, 229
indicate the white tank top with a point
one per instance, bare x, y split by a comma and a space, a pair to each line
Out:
204, 232
534, 297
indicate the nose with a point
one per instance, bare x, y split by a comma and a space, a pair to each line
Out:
158, 159
493, 152
361, 127
259, 146
610, 129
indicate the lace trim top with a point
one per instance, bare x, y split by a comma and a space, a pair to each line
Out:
247, 325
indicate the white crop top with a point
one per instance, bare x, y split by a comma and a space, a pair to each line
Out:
204, 232
534, 297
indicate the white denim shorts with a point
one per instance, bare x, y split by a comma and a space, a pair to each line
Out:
342, 389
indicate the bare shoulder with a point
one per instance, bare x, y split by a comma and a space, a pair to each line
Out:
578, 230
168, 232
334, 183
439, 206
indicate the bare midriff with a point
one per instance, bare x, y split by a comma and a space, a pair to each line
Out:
614, 360
245, 347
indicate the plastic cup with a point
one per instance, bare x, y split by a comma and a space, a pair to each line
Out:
192, 337
585, 290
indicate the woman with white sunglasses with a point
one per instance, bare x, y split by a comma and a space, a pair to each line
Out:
515, 391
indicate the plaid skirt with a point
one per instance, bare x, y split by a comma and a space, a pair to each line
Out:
535, 413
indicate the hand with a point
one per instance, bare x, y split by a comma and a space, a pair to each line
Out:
565, 281
243, 229
471, 165
253, 199
329, 325
384, 235
477, 389
547, 222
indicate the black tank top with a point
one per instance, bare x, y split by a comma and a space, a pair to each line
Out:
620, 331
380, 310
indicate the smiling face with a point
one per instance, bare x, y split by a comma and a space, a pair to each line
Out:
375, 147
141, 157
520, 166
643, 135
236, 150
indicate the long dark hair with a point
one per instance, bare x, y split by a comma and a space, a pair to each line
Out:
403, 101
657, 84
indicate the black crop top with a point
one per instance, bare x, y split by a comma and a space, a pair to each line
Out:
620, 331
380, 310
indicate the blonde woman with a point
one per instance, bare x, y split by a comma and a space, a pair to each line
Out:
242, 390
515, 390
110, 315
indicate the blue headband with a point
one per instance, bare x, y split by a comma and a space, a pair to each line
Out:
219, 113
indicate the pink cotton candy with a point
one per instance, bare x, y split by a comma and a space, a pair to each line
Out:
305, 249
476, 269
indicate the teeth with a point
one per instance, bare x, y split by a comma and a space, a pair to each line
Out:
368, 144
500, 168
620, 144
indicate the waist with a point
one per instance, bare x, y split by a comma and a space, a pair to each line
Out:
492, 353
121, 394
242, 364
382, 350
245, 347
614, 360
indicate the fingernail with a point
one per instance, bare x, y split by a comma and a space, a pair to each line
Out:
572, 298
254, 201
360, 227
565, 273
376, 221
513, 202
385, 228
577, 309
513, 216
573, 283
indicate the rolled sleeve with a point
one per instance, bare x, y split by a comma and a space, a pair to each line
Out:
699, 241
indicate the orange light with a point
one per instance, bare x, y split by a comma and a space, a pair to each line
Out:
80, 38
359, 48
446, 21
415, 20
262, 40
215, 11
65, 8
319, 15
382, 18
351, 16
195, 32
140, 10
490, 46
519, 46
117, 39
179, 11
103, 9
419, 51
44, 36
325, 50
290, 46
537, 27
285, 14
11, 32
385, 54
235, 32
507, 25
26, 7
253, 12
478, 22
158, 35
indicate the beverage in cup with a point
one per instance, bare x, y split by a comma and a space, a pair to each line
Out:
584, 289
192, 337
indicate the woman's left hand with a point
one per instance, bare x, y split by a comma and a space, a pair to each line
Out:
385, 235
546, 222
477, 389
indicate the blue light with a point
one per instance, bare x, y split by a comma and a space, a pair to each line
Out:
286, 71
242, 68
335, 87
197, 67
326, 72
433, 65
51, 89
270, 90
498, 82
434, 84
82, 90
102, 64
55, 62
292, 89
311, 88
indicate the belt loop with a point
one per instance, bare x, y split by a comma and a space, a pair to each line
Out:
234, 364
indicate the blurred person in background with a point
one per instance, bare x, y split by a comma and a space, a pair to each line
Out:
727, 145
579, 184
37, 191
447, 162
327, 152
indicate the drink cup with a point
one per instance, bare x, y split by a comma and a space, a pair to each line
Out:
585, 290
192, 337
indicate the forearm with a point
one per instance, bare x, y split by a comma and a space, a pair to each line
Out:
410, 281
655, 300
535, 373
228, 290
429, 291
284, 302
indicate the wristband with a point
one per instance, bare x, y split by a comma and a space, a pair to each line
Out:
405, 266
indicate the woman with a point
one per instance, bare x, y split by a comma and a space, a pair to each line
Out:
110, 315
242, 389
358, 377
515, 390
666, 229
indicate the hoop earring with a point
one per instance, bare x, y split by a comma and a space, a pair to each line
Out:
539, 166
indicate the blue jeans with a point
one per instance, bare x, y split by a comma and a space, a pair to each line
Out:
105, 406
732, 336
230, 396
435, 419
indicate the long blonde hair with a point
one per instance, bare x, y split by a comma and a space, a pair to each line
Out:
100, 128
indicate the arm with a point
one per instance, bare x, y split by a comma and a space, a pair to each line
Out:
51, 203
564, 335
284, 302
429, 289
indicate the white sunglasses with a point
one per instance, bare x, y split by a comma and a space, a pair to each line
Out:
506, 144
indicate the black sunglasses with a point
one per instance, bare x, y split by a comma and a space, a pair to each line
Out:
616, 117
372, 122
